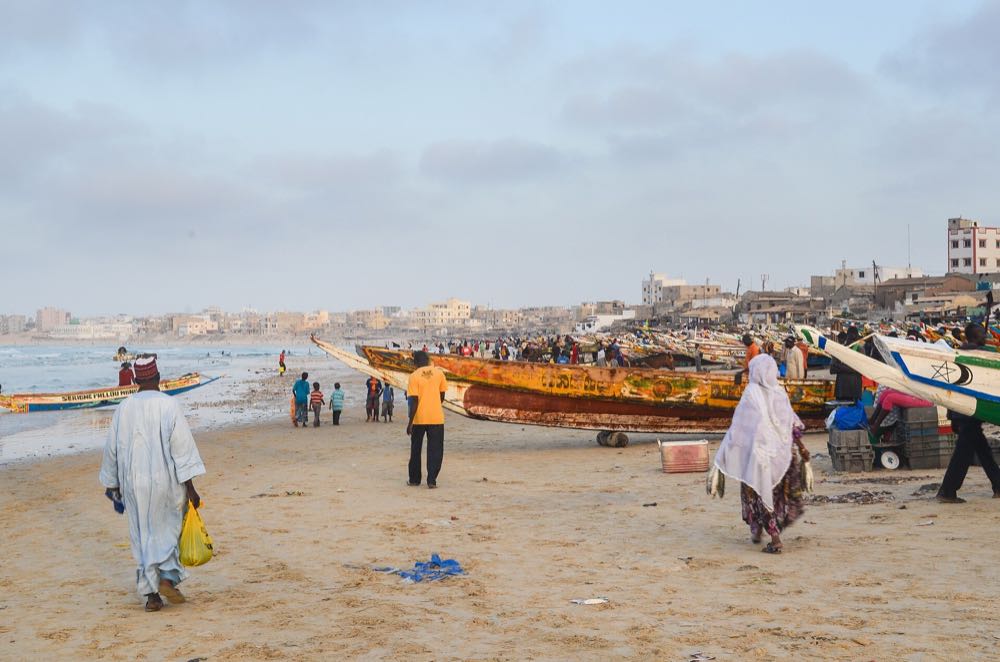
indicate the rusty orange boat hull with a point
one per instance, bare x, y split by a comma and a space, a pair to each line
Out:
585, 397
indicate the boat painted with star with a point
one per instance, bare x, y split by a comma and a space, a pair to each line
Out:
964, 381
583, 396
23, 403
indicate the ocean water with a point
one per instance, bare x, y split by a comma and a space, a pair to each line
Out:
241, 395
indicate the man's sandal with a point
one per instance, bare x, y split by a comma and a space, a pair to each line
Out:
171, 593
154, 602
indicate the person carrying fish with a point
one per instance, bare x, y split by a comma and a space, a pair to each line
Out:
763, 450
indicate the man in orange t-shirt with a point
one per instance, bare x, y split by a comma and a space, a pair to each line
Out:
424, 394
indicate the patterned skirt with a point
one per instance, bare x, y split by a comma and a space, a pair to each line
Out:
787, 503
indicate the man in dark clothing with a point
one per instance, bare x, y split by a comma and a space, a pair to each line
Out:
373, 388
971, 440
847, 386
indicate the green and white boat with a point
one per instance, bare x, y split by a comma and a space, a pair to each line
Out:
964, 381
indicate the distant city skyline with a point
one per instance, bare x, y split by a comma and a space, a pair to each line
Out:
303, 156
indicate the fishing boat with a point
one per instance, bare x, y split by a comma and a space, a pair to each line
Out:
583, 396
23, 403
964, 381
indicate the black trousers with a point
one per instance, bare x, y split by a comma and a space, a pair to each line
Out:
435, 452
336, 416
971, 442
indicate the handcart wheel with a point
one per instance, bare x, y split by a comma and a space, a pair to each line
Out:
889, 460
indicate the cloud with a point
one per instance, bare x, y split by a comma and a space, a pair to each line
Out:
490, 162
40, 140
961, 55
666, 88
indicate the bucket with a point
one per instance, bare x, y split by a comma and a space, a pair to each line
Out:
681, 457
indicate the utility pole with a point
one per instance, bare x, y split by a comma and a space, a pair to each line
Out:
763, 281
909, 264
875, 280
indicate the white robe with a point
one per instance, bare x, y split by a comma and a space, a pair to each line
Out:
149, 455
794, 363
757, 448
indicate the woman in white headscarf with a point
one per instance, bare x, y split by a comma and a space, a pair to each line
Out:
758, 451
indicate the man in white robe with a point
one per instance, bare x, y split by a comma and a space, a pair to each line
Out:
795, 365
150, 460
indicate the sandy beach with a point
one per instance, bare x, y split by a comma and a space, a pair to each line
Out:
537, 517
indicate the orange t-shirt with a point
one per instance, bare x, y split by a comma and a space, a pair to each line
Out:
752, 351
427, 384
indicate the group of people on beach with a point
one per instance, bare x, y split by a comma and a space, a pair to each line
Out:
762, 449
305, 399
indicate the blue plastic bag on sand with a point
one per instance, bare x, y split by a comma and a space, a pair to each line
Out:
432, 570
850, 418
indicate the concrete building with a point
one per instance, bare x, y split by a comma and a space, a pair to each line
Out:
48, 318
498, 318
12, 324
372, 319
866, 275
774, 307
652, 287
822, 286
972, 248
910, 291
678, 295
453, 312
93, 330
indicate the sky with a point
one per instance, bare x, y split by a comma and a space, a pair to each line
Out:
160, 157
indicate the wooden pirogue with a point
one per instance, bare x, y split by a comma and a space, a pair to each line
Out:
23, 403
584, 397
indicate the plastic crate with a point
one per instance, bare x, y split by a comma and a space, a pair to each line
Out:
914, 430
935, 460
849, 440
930, 452
920, 415
853, 461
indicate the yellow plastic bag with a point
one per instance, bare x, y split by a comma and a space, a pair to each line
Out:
195, 544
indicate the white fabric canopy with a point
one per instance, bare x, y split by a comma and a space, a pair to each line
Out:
757, 448
149, 455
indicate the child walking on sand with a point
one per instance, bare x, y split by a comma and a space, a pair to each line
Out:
337, 403
316, 403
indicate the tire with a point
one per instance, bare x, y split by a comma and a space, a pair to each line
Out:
889, 460
618, 440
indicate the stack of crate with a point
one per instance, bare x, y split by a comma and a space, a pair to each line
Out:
850, 450
925, 444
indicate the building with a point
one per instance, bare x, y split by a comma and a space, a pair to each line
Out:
498, 318
678, 295
453, 312
372, 319
910, 291
972, 248
49, 318
866, 275
602, 322
822, 286
775, 307
12, 324
652, 287
94, 330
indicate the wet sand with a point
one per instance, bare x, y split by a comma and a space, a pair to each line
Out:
537, 517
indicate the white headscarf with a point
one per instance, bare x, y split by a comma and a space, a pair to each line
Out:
757, 448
